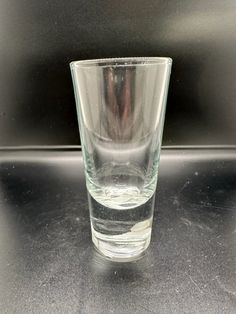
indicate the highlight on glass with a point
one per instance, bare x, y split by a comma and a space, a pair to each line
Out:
121, 107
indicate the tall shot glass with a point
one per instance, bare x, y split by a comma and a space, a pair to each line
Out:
121, 107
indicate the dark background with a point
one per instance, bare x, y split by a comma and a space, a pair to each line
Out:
47, 263
38, 39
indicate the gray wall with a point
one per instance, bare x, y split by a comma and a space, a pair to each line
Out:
39, 38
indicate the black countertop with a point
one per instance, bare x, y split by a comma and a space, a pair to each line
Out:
47, 260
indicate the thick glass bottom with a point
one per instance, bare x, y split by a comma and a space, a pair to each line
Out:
121, 234
126, 247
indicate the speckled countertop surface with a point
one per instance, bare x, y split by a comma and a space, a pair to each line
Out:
47, 261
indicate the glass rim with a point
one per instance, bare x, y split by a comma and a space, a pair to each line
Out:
121, 62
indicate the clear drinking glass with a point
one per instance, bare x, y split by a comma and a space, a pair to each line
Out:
121, 107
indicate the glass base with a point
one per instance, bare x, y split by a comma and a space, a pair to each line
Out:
121, 248
121, 235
